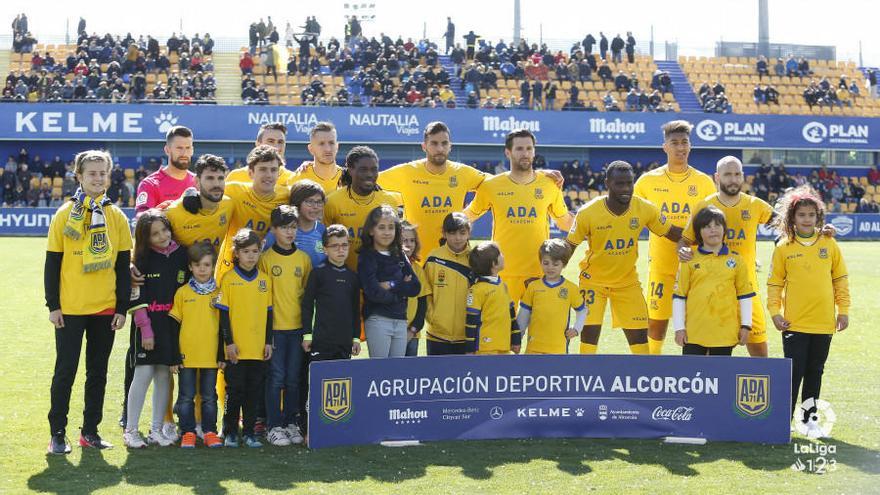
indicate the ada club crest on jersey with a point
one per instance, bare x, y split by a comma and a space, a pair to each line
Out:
222, 220
453, 181
539, 193
563, 293
823, 253
634, 223
692, 190
746, 215
263, 286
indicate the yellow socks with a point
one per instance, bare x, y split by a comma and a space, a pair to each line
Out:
654, 346
639, 348
589, 348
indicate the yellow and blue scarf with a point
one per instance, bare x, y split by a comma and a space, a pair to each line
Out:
98, 254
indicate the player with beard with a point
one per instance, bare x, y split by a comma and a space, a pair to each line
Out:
611, 224
169, 182
521, 201
322, 169
743, 213
203, 218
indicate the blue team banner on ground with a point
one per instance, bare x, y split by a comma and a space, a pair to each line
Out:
21, 121
367, 401
35, 222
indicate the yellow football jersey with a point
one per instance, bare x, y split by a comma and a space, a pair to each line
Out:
808, 278
743, 219
448, 277
712, 285
241, 175
307, 171
248, 301
289, 273
613, 239
676, 194
520, 218
491, 323
427, 197
199, 327
550, 306
346, 208
93, 292
206, 225
249, 210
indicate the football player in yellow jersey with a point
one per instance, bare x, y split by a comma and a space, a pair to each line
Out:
205, 215
324, 147
743, 214
808, 278
434, 186
253, 203
675, 188
351, 205
612, 225
521, 202
273, 134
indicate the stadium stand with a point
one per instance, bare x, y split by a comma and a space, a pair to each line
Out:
115, 70
739, 77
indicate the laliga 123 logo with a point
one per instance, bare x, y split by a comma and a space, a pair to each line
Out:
843, 224
708, 130
815, 132
165, 121
820, 421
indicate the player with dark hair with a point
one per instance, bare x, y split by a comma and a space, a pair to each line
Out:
170, 181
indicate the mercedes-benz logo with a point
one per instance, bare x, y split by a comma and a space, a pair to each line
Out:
496, 412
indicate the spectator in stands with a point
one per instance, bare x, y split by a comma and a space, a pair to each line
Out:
537, 95
605, 73
470, 40
550, 96
632, 101
873, 176
610, 103
835, 206
525, 92
761, 67
617, 45
621, 82
791, 67
603, 46
246, 64
630, 47
804, 67
759, 94
771, 94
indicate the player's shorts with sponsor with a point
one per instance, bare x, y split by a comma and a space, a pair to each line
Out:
628, 308
659, 295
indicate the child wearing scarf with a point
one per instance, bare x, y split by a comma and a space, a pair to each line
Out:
200, 350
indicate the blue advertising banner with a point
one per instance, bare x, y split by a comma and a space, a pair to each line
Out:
46, 121
35, 222
366, 401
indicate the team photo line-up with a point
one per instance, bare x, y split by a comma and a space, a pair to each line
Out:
235, 280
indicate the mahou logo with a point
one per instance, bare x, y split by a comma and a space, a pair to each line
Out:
679, 413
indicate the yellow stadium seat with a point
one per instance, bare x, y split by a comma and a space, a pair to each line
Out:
583, 195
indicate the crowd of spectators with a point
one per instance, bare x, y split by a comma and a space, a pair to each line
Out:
113, 69
713, 99
824, 94
771, 181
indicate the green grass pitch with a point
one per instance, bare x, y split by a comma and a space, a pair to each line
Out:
521, 466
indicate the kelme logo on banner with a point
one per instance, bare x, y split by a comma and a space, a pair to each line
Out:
336, 398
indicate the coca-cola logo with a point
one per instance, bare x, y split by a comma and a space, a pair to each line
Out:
679, 413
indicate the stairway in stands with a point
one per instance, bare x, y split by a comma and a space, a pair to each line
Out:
681, 86
227, 75
454, 82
